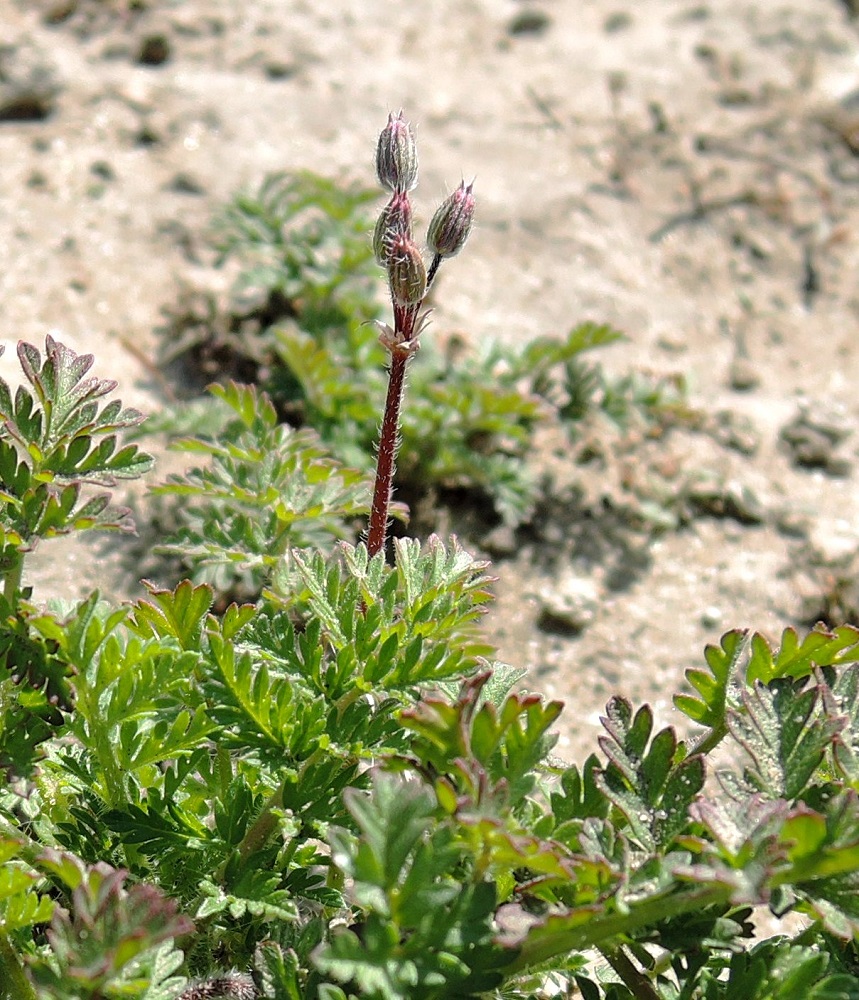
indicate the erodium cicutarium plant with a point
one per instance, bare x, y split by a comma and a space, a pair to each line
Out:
409, 280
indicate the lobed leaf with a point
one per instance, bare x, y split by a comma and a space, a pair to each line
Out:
652, 785
726, 663
178, 613
785, 730
797, 659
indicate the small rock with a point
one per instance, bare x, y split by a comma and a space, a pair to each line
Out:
735, 431
501, 541
793, 523
155, 50
568, 607
814, 436
617, 21
529, 22
711, 616
149, 133
102, 169
28, 83
60, 11
834, 543
277, 69
825, 574
842, 118
184, 183
730, 499
743, 375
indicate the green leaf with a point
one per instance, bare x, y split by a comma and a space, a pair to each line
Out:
652, 786
177, 613
94, 943
258, 705
579, 796
81, 636
424, 934
726, 665
267, 489
55, 441
507, 743
165, 740
777, 970
843, 706
824, 853
784, 729
794, 658
392, 824
542, 353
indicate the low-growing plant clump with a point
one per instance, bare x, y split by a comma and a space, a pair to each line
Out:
335, 792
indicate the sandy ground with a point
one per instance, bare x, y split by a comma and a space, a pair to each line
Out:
684, 170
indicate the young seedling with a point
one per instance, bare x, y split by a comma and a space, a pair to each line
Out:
409, 280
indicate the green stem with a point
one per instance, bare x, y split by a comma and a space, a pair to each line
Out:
224, 769
709, 741
263, 827
348, 699
596, 930
266, 822
14, 985
635, 981
12, 583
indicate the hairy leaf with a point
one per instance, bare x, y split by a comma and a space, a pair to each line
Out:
785, 731
652, 785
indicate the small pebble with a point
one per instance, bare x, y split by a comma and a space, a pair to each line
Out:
743, 375
501, 541
28, 83
155, 50
184, 183
529, 22
792, 524
814, 435
568, 607
711, 616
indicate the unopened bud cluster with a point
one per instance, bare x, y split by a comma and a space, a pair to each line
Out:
393, 243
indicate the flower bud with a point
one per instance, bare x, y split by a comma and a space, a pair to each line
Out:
397, 155
451, 223
406, 272
395, 220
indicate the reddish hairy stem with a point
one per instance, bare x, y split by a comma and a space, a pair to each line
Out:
388, 441
404, 325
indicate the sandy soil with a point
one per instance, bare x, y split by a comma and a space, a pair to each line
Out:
684, 170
